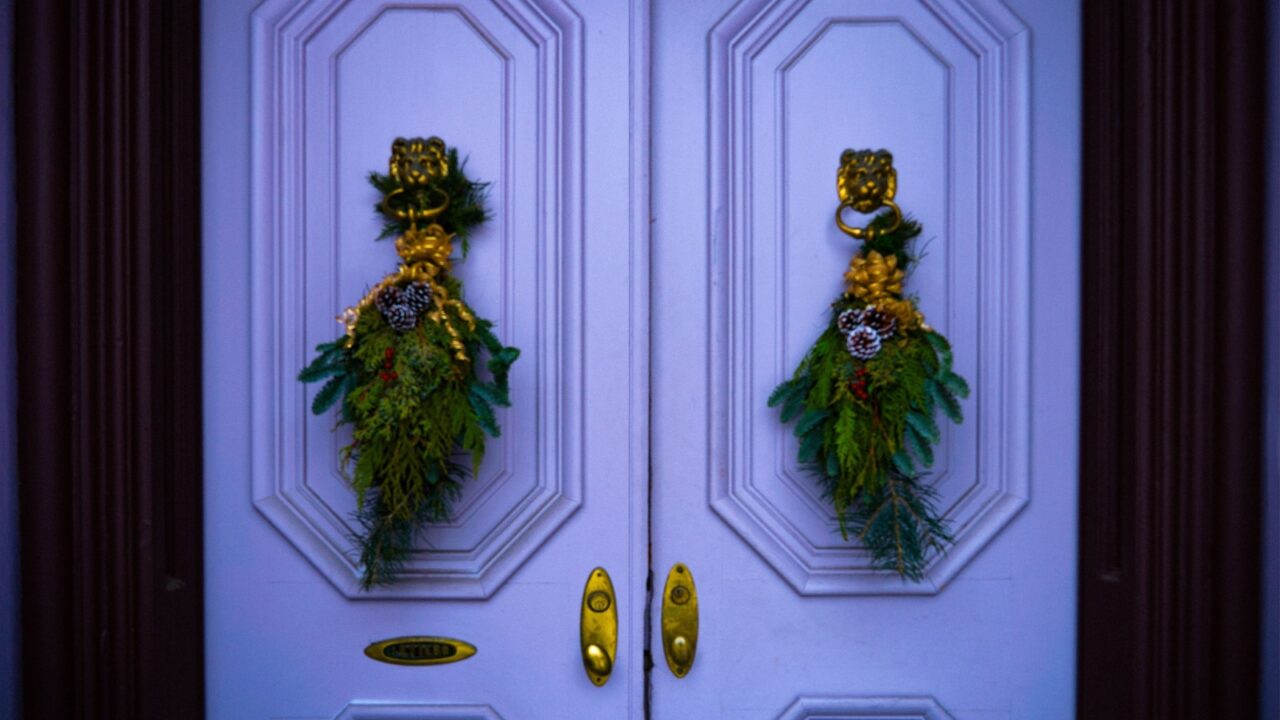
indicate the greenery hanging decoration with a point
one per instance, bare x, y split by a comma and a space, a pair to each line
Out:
404, 374
865, 396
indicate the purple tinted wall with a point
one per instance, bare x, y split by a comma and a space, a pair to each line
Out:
8, 391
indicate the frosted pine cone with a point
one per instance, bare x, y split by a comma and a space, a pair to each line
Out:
401, 318
387, 297
882, 322
863, 343
394, 307
417, 296
848, 320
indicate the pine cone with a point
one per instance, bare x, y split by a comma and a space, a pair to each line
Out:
909, 317
397, 311
417, 296
882, 322
401, 318
848, 320
863, 343
387, 297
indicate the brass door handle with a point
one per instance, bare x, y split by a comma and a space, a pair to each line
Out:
599, 631
680, 620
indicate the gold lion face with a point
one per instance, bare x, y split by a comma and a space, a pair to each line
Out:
866, 179
417, 162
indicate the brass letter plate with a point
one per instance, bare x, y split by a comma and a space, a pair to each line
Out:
420, 650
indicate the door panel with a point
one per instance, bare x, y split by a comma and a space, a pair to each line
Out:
935, 88
970, 96
302, 100
327, 100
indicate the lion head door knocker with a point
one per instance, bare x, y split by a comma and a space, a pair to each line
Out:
865, 396
867, 182
404, 374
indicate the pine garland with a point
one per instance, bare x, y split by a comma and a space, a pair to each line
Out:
863, 401
405, 373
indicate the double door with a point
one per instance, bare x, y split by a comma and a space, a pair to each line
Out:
662, 250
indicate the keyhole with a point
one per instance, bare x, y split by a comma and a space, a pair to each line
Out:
598, 601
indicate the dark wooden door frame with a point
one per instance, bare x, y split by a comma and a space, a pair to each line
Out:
108, 191
1172, 385
109, 358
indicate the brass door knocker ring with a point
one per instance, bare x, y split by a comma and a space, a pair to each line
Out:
411, 214
868, 232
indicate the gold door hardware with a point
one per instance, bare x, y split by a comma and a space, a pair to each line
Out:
680, 620
599, 626
866, 182
420, 650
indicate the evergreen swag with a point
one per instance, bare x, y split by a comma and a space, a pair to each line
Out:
413, 394
863, 400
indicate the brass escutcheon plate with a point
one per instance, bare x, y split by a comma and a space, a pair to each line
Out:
680, 620
420, 650
599, 627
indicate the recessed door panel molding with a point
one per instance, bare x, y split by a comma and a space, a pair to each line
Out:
416, 711
333, 83
879, 708
948, 80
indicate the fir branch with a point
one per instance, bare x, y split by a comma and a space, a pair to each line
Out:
902, 463
919, 446
954, 384
385, 541
895, 242
948, 402
810, 422
899, 525
328, 395
925, 426
335, 363
492, 393
941, 347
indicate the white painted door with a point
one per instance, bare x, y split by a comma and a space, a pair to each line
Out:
753, 103
302, 99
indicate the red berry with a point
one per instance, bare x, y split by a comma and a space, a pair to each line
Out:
390, 352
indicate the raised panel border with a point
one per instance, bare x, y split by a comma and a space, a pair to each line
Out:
416, 711
1001, 44
905, 707
280, 31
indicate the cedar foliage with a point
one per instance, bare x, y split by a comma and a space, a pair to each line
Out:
870, 454
418, 413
